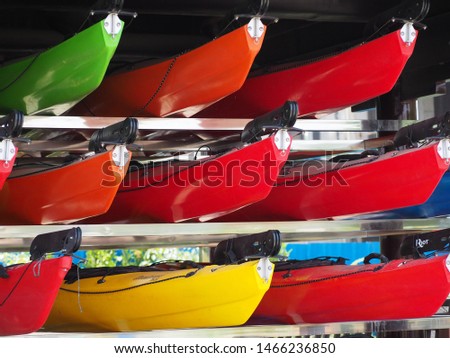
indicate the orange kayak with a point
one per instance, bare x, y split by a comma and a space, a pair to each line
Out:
182, 85
41, 194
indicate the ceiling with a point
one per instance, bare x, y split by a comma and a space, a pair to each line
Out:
297, 29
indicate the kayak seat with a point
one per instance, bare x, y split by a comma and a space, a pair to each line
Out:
124, 132
64, 241
263, 244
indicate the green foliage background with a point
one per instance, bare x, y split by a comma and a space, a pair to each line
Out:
128, 257
138, 257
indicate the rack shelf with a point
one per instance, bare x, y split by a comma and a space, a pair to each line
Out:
211, 124
14, 238
18, 238
273, 331
353, 134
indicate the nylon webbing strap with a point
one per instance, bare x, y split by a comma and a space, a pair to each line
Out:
3, 273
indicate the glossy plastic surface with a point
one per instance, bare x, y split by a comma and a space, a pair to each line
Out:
182, 85
199, 190
323, 86
27, 296
66, 194
53, 81
400, 289
317, 191
213, 296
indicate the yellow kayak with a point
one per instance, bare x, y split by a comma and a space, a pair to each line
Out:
112, 299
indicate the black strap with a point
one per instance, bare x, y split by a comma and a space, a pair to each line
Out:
74, 274
288, 265
3, 273
354, 156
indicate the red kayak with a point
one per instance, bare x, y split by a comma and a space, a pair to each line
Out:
322, 86
317, 189
326, 290
28, 291
203, 189
57, 190
182, 85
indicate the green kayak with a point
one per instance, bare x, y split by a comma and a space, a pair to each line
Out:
54, 80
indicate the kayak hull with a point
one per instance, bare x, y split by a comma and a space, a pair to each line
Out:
212, 296
400, 289
27, 296
437, 205
392, 180
203, 191
63, 195
53, 81
324, 86
182, 85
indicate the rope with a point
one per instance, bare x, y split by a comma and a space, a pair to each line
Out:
15, 286
21, 74
328, 278
130, 288
169, 69
326, 170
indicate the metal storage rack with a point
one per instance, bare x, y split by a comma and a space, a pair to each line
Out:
431, 325
16, 238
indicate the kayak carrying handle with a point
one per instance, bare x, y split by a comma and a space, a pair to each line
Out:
113, 6
408, 11
124, 132
280, 118
383, 259
11, 124
65, 241
119, 12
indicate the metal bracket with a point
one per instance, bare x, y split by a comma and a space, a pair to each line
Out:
7, 150
282, 139
444, 149
265, 269
408, 33
120, 155
255, 28
113, 25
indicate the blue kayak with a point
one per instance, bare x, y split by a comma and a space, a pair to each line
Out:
438, 204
